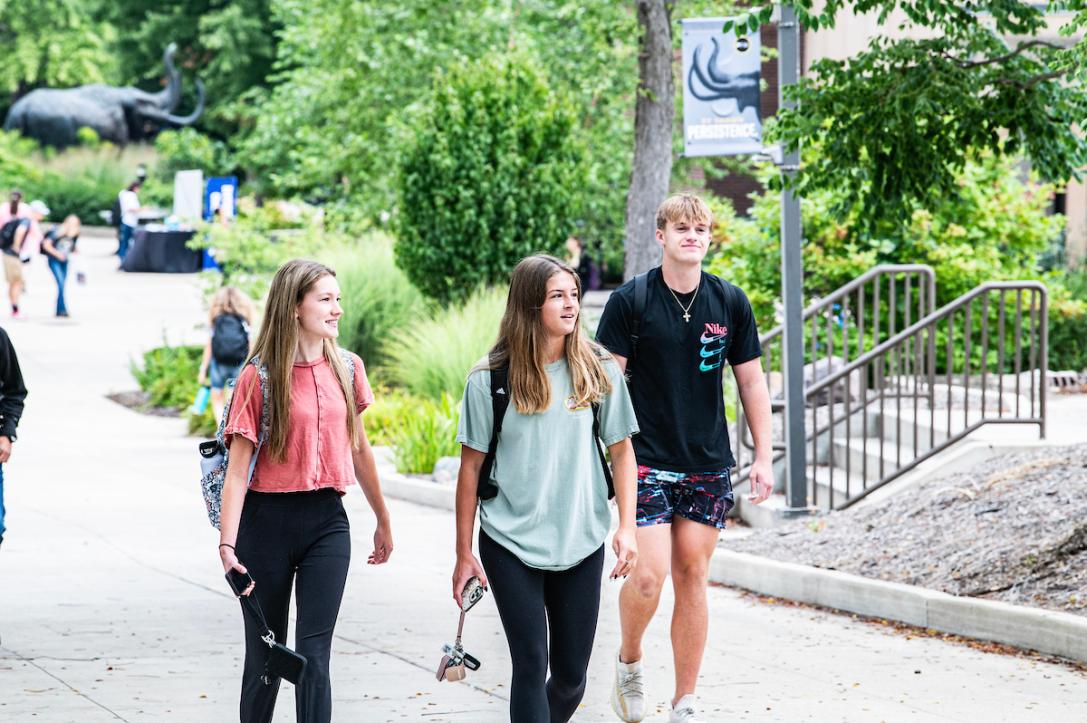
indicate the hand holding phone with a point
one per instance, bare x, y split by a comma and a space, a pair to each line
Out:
240, 581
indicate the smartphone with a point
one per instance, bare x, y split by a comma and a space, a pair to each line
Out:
239, 581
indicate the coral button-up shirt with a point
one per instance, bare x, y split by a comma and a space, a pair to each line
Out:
318, 451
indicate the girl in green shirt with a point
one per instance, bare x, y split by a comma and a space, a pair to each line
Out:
542, 535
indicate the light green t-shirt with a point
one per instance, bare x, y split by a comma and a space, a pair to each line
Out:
551, 510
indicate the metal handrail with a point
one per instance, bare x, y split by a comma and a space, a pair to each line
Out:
922, 335
941, 313
828, 301
855, 289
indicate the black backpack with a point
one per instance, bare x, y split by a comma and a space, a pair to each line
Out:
500, 400
229, 339
7, 233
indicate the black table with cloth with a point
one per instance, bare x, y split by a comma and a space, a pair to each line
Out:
162, 251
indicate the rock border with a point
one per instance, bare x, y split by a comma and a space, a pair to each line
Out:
1046, 631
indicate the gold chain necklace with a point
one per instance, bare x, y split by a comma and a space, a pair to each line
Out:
687, 310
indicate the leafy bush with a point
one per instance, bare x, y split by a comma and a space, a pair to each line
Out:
81, 180
168, 375
377, 298
994, 229
491, 173
1067, 333
427, 433
434, 356
183, 150
250, 249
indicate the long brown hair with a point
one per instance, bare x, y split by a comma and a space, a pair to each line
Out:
276, 346
522, 342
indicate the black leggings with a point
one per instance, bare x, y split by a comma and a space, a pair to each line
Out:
529, 600
282, 535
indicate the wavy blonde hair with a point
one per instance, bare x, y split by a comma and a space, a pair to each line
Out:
231, 300
522, 342
276, 346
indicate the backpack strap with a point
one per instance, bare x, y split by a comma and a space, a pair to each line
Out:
641, 291
500, 401
728, 290
265, 415
600, 450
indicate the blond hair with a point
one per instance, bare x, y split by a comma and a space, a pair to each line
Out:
276, 346
683, 207
230, 300
522, 343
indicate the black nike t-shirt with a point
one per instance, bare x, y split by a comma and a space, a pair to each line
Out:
676, 378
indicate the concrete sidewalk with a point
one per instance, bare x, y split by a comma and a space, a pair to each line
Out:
113, 607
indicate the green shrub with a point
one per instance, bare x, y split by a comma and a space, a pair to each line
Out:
81, 180
428, 431
994, 229
1067, 333
168, 375
377, 298
491, 174
434, 356
419, 430
250, 249
185, 149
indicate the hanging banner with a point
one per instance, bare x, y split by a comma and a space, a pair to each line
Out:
720, 90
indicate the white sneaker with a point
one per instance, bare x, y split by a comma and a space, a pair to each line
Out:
628, 692
683, 712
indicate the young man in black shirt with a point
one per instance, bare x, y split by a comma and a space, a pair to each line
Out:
673, 336
12, 394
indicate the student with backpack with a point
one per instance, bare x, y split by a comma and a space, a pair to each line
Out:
297, 408
534, 414
58, 245
17, 236
672, 329
230, 317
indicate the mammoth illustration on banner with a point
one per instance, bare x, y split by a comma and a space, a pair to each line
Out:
54, 116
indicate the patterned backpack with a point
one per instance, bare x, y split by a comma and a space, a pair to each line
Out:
214, 454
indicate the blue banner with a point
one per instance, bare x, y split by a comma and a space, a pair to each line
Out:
720, 90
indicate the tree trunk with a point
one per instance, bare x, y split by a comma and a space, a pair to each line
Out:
652, 166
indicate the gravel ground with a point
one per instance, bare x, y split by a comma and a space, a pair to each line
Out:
1011, 529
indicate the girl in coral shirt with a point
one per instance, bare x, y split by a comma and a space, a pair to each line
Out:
289, 526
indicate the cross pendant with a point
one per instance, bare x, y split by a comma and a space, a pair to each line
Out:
686, 317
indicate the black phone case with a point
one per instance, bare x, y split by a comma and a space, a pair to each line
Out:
238, 581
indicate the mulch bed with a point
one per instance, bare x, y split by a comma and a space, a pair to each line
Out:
1012, 529
140, 402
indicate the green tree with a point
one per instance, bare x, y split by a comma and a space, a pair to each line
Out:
51, 43
491, 173
993, 227
230, 45
351, 74
899, 121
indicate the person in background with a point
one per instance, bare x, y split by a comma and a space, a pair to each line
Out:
12, 399
230, 316
129, 204
58, 245
588, 271
15, 208
15, 237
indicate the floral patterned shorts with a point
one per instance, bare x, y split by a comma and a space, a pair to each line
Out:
701, 497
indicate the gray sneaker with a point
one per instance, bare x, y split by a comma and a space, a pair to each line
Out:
628, 692
683, 712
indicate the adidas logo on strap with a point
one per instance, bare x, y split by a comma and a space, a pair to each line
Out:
500, 390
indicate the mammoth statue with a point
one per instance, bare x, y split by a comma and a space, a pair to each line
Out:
119, 115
